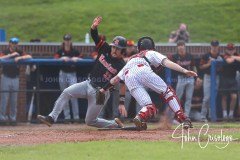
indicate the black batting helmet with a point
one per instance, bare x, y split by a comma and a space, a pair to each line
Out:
119, 42
146, 43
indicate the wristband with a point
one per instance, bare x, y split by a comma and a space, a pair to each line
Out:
108, 86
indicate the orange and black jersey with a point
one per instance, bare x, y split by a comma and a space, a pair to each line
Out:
11, 71
106, 67
186, 61
72, 53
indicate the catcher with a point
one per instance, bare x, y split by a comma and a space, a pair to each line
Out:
108, 63
138, 75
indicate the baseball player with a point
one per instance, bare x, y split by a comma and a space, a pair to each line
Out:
184, 83
10, 81
67, 74
138, 75
108, 63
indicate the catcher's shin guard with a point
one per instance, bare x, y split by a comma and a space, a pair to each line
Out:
171, 99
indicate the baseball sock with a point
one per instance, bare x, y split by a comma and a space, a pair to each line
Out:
224, 113
231, 114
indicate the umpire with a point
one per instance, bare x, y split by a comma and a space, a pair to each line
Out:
108, 63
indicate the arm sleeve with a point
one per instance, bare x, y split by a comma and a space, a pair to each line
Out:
57, 54
156, 58
1, 54
98, 42
94, 35
204, 60
121, 75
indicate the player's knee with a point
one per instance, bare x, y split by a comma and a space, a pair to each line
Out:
234, 97
169, 94
90, 122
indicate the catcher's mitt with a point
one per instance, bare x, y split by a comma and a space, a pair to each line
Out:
100, 97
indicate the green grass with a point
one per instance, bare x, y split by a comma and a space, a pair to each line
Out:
119, 150
126, 149
50, 19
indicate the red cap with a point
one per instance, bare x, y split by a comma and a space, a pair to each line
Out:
130, 43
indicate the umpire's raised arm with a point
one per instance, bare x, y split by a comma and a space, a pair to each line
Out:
94, 31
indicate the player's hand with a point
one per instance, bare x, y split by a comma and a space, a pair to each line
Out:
190, 73
14, 54
17, 59
96, 22
65, 59
122, 110
102, 90
75, 59
208, 64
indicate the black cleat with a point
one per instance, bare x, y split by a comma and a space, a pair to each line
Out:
139, 123
48, 120
187, 123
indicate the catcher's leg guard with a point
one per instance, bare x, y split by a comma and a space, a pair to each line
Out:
170, 97
147, 112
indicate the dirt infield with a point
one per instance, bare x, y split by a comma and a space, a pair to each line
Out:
40, 134
32, 134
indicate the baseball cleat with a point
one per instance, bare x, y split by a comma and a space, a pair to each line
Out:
46, 120
187, 123
139, 124
119, 122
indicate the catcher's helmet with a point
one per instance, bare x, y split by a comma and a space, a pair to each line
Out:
146, 43
119, 42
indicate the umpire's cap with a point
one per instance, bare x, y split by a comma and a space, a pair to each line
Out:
119, 42
145, 43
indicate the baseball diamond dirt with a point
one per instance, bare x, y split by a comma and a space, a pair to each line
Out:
33, 134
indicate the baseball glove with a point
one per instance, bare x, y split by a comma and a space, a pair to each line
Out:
100, 97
